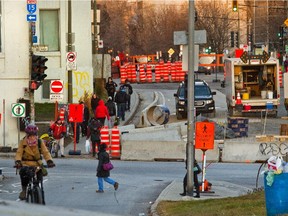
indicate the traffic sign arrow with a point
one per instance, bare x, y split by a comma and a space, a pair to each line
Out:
31, 17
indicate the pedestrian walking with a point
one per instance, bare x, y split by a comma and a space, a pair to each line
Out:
196, 170
111, 87
102, 174
94, 102
129, 91
86, 117
93, 133
112, 111
101, 112
58, 131
121, 99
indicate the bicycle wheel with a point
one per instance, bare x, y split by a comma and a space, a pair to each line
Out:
37, 195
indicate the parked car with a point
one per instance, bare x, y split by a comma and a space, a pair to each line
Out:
206, 70
203, 100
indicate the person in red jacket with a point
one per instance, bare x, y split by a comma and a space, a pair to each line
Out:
58, 131
101, 112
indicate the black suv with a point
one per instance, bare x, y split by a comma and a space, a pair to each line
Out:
204, 102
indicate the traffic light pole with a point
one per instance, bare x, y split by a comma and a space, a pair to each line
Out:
31, 91
190, 150
70, 92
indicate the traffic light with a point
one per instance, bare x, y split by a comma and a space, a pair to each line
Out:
232, 38
38, 71
280, 33
236, 39
234, 5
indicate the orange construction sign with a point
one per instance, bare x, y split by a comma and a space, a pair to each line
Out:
204, 135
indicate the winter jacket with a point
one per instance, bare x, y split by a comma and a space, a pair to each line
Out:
86, 114
101, 111
128, 88
111, 87
31, 156
103, 157
94, 131
111, 107
94, 103
58, 130
121, 97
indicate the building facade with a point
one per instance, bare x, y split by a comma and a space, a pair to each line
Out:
51, 28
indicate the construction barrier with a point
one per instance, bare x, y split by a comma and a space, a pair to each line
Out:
62, 114
123, 74
105, 136
115, 142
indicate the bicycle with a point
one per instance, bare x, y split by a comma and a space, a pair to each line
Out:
51, 144
35, 190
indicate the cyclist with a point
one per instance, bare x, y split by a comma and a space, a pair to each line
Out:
58, 130
29, 154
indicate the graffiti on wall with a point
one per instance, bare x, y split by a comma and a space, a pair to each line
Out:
82, 81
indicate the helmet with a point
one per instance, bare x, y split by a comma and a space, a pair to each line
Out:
31, 129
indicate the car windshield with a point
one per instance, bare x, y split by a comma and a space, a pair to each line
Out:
199, 91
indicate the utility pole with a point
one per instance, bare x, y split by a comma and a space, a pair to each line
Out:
95, 45
190, 149
69, 36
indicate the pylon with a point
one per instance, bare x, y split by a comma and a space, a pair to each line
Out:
238, 99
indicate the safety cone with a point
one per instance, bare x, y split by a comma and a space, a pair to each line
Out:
238, 105
238, 99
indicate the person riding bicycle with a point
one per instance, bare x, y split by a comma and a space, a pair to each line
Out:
58, 130
29, 154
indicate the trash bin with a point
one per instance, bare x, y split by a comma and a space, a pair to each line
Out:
276, 195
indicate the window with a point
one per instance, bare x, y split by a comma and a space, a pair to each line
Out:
46, 89
49, 29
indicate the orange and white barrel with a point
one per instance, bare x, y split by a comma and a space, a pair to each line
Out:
115, 142
105, 136
62, 114
165, 72
123, 74
142, 75
149, 73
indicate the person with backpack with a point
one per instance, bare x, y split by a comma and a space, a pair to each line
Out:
112, 111
58, 131
93, 131
121, 99
29, 154
129, 91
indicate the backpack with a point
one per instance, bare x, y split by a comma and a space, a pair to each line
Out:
111, 108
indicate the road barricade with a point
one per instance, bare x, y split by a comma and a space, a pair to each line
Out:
115, 143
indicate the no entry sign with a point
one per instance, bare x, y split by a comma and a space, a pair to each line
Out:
56, 87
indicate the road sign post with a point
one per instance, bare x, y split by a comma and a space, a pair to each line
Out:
204, 140
18, 109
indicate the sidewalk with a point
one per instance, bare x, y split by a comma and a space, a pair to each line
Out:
220, 189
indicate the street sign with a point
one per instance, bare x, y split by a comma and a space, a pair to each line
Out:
76, 112
18, 109
286, 22
204, 135
31, 17
56, 97
71, 61
56, 86
31, 1
31, 8
171, 51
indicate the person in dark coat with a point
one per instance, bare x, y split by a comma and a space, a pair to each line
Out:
111, 88
93, 131
102, 174
121, 99
94, 102
112, 111
86, 117
129, 91
196, 170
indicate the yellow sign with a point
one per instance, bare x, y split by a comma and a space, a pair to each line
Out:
171, 51
286, 22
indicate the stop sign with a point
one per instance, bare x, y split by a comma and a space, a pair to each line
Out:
56, 86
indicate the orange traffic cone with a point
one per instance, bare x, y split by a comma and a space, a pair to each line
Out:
238, 99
